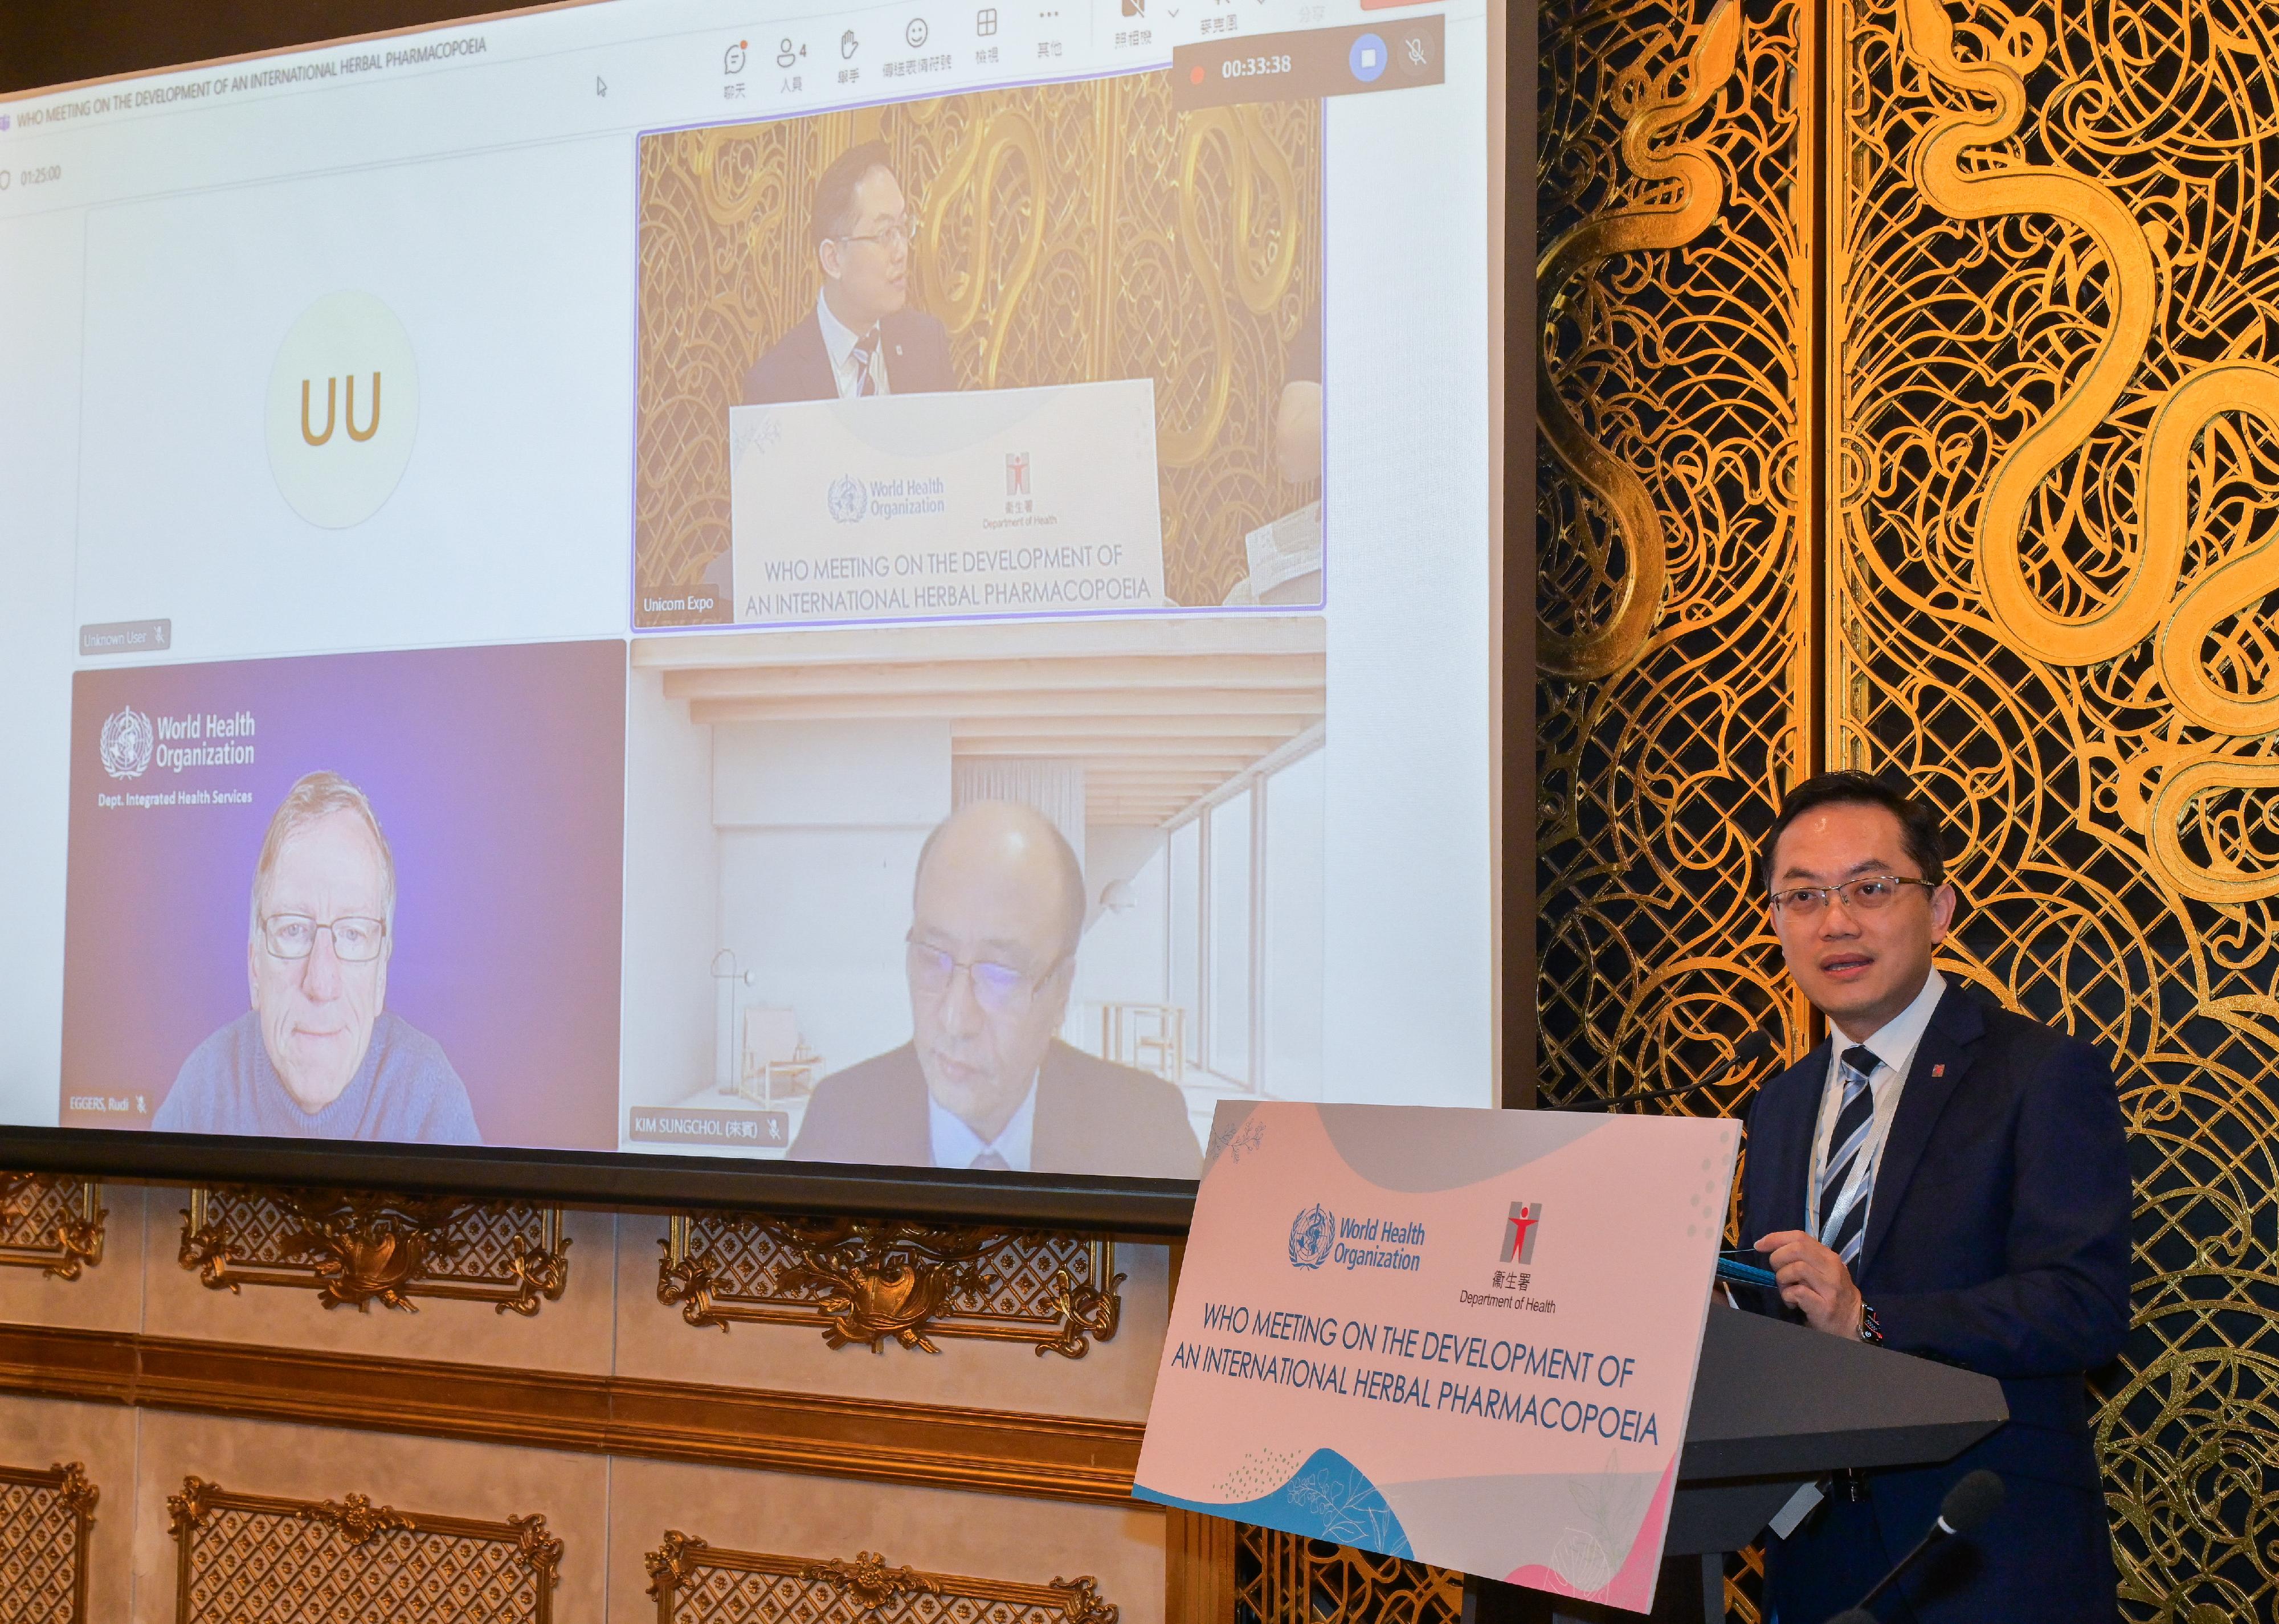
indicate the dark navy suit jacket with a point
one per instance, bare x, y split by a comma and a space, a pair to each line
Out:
915, 348
1093, 1116
1998, 1240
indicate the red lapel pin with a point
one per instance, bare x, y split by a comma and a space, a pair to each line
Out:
1940, 1071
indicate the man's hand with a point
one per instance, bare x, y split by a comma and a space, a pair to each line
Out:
1813, 1281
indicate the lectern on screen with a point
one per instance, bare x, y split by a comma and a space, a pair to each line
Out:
911, 586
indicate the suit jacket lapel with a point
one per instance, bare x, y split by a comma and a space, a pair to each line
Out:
1942, 1059
1791, 1110
1057, 1137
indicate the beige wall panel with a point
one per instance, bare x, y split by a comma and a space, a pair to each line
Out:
107, 1296
933, 1530
421, 1475
572, 1335
39, 1433
1114, 1380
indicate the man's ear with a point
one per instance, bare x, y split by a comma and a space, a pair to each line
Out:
1943, 903
253, 971
826, 255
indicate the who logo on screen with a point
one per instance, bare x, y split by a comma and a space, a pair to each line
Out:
127, 744
344, 409
1520, 1230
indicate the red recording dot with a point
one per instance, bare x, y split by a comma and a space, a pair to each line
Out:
1196, 76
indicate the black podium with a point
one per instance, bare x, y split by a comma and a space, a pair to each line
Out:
1776, 1406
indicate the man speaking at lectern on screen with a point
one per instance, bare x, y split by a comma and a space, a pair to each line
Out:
996, 909
862, 338
1950, 1180
315, 1057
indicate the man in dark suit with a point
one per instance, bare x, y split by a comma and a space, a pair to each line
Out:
862, 338
997, 908
1947, 1179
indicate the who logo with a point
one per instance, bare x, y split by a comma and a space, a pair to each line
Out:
1313, 1235
127, 744
1520, 1230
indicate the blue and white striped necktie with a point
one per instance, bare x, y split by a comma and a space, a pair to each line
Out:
1844, 1214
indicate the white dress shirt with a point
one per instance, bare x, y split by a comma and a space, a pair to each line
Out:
1894, 1047
957, 1146
839, 341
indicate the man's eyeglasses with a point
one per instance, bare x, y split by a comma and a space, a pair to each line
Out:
1862, 896
294, 936
998, 988
893, 236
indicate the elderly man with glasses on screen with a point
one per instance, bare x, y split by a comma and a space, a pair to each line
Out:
315, 1057
996, 909
862, 338
1949, 1179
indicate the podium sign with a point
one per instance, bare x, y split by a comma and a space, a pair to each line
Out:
1467, 1337
928, 507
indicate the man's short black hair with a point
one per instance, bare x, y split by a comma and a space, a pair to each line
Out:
833, 215
1923, 832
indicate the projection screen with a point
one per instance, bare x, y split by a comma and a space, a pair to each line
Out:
906, 587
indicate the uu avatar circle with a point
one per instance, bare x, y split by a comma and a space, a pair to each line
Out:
344, 409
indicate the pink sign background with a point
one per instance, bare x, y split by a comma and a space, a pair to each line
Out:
1467, 1337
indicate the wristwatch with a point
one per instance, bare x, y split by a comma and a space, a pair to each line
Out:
1871, 1329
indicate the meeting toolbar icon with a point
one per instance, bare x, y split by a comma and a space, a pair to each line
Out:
731, 60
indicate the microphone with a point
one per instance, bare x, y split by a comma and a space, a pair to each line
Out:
1750, 1050
1967, 1505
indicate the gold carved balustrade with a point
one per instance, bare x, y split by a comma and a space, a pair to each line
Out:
251, 1558
1910, 401
694, 1582
868, 1281
50, 1221
45, 1518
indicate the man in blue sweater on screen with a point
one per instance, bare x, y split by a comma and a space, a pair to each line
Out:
1951, 1180
316, 1056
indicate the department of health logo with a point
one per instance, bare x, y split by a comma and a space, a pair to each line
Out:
127, 744
1520, 1230
1312, 1234
851, 500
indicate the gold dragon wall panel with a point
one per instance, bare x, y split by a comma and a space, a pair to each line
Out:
1065, 233
2056, 314
1282, 1578
700, 1300
939, 1533
1673, 703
